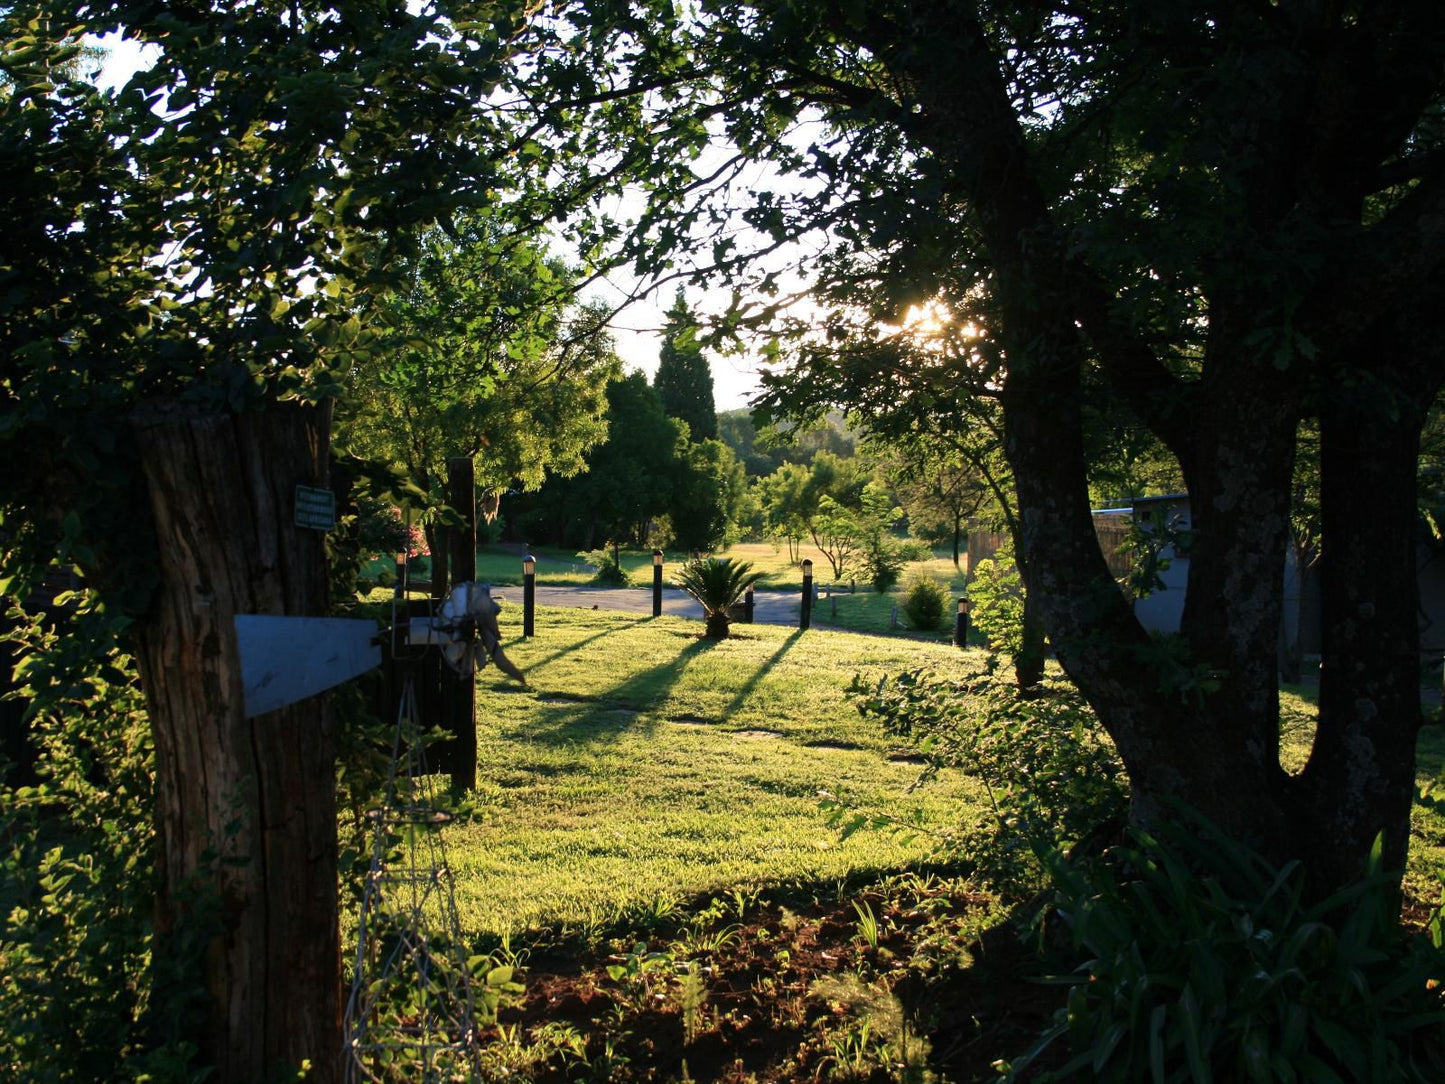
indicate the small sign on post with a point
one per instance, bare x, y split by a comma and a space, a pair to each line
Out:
315, 508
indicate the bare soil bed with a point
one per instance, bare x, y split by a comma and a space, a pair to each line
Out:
795, 991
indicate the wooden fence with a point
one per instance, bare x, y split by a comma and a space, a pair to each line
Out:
1112, 529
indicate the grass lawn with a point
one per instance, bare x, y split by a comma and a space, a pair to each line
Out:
645, 765
859, 610
563, 567
878, 614
650, 853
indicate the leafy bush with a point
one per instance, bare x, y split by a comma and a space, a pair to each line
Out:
884, 564
997, 593
883, 554
76, 995
925, 602
610, 572
1204, 962
1150, 548
914, 549
1051, 774
381, 530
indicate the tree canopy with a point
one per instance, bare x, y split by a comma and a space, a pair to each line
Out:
481, 355
938, 489
684, 378
1220, 223
1226, 215
628, 479
188, 281
646, 476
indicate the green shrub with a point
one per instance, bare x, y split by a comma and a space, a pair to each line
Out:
77, 1001
884, 566
914, 549
381, 530
925, 602
610, 572
1051, 774
882, 553
996, 591
1203, 962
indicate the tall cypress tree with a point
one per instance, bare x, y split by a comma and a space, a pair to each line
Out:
684, 379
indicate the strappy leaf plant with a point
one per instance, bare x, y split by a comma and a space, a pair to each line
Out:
717, 583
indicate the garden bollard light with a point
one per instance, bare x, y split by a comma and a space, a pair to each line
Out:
656, 583
960, 624
806, 617
748, 606
529, 595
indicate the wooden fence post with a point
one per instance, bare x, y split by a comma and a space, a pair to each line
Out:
459, 691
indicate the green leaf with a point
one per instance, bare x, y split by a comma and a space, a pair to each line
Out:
1157, 1019
1190, 1023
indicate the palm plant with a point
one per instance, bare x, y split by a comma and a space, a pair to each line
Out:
717, 583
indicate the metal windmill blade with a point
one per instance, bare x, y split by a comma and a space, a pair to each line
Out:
287, 659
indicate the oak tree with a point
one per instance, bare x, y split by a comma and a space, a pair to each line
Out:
481, 354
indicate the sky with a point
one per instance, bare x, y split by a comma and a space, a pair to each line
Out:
636, 329
637, 333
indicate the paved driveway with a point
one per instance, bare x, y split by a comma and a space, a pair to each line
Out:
769, 607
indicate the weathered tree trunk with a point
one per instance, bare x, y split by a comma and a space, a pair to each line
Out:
1196, 718
1359, 782
1291, 653
246, 815
1203, 729
1197, 731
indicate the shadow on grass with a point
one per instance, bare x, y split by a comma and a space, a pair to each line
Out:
608, 715
570, 648
761, 672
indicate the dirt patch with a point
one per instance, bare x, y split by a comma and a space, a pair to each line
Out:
907, 758
692, 720
756, 735
775, 993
